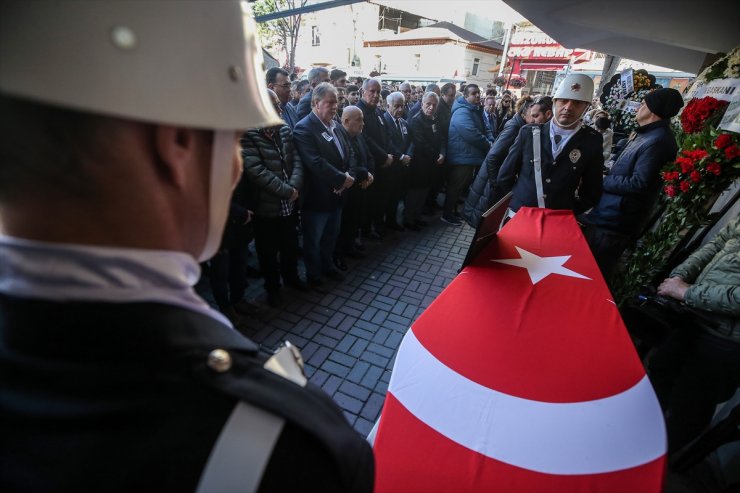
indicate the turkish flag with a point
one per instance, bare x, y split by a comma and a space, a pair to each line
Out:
521, 377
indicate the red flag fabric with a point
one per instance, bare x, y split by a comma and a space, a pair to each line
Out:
521, 377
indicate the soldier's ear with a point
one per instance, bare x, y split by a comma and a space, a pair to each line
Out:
177, 148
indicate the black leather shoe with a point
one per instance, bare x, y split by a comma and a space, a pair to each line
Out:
341, 265
274, 299
412, 227
395, 227
317, 285
335, 275
298, 285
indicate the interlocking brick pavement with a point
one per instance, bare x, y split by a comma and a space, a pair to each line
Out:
349, 336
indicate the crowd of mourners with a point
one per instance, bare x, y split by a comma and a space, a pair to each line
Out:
354, 161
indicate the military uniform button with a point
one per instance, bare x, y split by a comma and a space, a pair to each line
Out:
547, 180
219, 360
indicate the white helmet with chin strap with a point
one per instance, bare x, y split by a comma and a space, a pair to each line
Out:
188, 63
578, 87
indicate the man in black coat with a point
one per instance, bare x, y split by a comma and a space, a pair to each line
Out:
427, 150
356, 203
443, 116
568, 174
329, 166
376, 136
116, 375
399, 139
633, 183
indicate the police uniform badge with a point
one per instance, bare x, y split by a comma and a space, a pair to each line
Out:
574, 155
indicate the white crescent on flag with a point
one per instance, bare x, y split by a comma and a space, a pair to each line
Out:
521, 378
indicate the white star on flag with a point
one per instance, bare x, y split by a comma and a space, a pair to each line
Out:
538, 267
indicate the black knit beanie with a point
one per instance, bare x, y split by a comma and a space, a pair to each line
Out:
664, 102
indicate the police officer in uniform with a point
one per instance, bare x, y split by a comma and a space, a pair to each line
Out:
556, 165
121, 123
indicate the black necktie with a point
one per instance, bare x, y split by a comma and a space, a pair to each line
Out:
398, 124
558, 138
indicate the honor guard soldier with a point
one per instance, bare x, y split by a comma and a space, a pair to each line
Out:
556, 165
121, 123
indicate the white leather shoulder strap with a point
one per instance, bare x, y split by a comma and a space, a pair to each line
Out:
536, 143
242, 451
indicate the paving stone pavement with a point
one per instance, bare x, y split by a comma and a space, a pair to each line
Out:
349, 336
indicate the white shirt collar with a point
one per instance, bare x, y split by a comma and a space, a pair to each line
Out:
66, 272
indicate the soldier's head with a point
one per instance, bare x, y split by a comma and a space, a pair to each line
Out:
572, 99
136, 142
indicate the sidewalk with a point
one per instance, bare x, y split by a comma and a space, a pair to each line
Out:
349, 336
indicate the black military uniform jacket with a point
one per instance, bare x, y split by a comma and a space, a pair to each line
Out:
572, 181
123, 397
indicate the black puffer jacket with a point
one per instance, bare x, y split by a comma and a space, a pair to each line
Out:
480, 196
264, 159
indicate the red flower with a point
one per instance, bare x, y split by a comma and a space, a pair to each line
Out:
670, 190
685, 185
722, 141
696, 155
695, 176
697, 111
687, 166
732, 152
714, 168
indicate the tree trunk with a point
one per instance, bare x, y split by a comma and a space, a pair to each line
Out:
610, 68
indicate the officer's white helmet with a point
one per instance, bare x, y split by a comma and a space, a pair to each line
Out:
191, 63
576, 86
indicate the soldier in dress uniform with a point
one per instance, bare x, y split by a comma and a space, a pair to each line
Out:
563, 171
121, 124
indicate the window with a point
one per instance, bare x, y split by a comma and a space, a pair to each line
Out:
476, 62
315, 36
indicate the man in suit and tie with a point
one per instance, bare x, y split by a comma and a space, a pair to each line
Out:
376, 137
399, 139
328, 164
556, 165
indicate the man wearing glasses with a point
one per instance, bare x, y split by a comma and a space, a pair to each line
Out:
278, 80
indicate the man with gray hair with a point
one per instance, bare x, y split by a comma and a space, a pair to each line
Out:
417, 106
377, 140
406, 89
329, 170
399, 139
316, 76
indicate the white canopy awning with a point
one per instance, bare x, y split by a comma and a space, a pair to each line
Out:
672, 33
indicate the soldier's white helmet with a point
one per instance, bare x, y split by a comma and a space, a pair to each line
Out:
192, 63
576, 86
